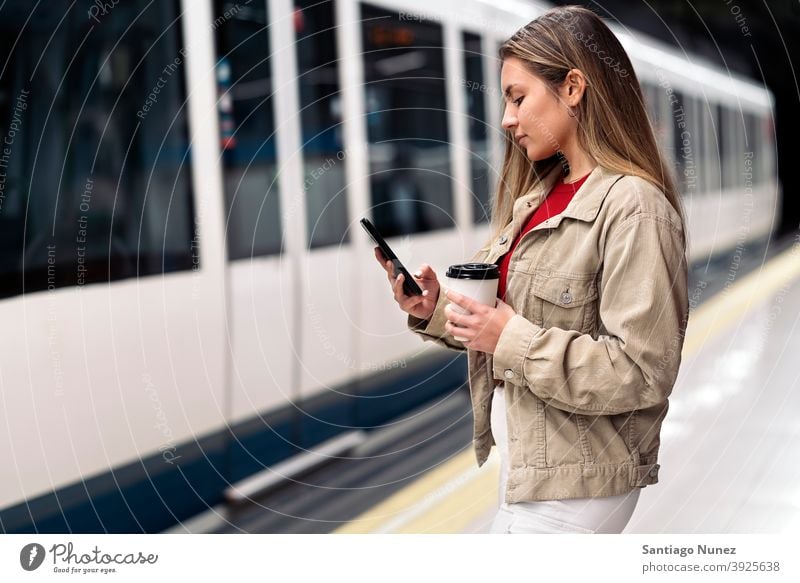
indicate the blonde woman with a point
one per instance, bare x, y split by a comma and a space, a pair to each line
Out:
571, 370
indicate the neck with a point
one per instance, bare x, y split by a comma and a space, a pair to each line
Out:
580, 164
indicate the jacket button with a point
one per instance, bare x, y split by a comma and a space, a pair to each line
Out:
502, 239
653, 472
509, 374
566, 298
529, 204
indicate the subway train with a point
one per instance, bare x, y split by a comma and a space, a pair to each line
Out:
186, 297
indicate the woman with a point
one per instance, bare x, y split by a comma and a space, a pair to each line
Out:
571, 370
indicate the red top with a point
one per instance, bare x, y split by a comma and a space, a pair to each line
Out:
555, 202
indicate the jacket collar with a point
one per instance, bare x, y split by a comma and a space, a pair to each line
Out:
584, 206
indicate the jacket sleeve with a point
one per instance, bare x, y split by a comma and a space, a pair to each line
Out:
433, 329
643, 308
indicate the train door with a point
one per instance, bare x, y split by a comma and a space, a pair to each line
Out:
328, 363
258, 218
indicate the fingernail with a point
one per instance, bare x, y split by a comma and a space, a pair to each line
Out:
417, 274
424, 292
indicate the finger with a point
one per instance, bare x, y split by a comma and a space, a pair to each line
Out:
400, 293
458, 318
379, 256
464, 302
384, 263
389, 271
425, 272
458, 331
397, 287
410, 303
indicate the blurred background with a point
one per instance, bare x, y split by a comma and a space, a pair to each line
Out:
756, 39
195, 334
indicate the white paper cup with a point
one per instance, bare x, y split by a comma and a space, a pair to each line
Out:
474, 280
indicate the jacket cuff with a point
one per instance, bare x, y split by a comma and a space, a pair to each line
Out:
512, 349
434, 326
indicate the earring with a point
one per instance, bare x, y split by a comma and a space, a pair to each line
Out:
564, 162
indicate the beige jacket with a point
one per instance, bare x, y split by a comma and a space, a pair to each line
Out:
592, 354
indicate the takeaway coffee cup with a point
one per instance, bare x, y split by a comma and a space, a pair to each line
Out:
475, 280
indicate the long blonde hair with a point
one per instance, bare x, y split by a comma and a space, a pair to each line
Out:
613, 125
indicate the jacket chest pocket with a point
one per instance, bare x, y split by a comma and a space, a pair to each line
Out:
555, 300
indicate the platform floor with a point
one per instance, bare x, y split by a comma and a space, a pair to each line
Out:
730, 451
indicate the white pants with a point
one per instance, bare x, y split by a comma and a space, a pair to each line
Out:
607, 514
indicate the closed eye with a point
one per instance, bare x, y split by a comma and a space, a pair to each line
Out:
517, 101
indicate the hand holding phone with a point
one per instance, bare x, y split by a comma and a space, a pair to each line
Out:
410, 286
420, 306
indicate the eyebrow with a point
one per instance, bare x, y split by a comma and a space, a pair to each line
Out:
507, 92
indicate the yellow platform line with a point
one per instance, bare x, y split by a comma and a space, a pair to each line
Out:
446, 478
473, 493
460, 509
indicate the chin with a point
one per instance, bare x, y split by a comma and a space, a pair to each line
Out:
540, 156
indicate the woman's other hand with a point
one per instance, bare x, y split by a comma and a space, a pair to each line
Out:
482, 327
421, 307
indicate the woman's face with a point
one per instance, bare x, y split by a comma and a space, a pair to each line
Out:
538, 119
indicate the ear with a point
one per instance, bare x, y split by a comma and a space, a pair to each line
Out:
573, 87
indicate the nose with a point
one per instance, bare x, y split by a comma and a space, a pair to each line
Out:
509, 120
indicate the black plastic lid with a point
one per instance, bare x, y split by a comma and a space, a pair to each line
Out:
474, 271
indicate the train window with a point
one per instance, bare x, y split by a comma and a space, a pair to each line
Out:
659, 111
320, 116
650, 94
247, 129
94, 170
656, 103
768, 149
406, 117
752, 148
679, 120
694, 179
728, 171
737, 151
711, 163
475, 88
723, 145
745, 147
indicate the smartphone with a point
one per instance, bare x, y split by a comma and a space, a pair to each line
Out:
410, 286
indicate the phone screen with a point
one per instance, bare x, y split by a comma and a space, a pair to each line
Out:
410, 286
